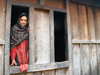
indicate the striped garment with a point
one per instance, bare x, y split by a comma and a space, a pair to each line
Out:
18, 34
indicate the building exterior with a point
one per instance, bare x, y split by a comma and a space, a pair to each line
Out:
74, 24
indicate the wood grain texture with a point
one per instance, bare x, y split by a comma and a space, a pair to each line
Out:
1, 59
40, 67
91, 23
50, 72
42, 36
98, 23
19, 74
98, 58
55, 3
76, 59
74, 21
93, 59
31, 37
51, 19
2, 18
29, 1
7, 37
69, 31
61, 71
83, 22
85, 59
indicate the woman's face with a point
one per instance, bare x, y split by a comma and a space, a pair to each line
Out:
23, 20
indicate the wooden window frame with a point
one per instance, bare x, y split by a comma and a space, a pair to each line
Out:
37, 67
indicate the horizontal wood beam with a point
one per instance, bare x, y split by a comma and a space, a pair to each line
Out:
81, 41
40, 67
2, 41
37, 6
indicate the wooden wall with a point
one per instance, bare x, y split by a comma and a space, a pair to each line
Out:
85, 38
85, 26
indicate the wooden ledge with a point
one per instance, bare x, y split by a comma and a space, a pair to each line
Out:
82, 41
40, 67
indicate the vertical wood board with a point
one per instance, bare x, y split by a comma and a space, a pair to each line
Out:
74, 21
50, 72
42, 36
85, 59
76, 59
93, 59
83, 22
2, 18
61, 71
91, 23
98, 23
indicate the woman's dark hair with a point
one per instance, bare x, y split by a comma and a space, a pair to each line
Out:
21, 15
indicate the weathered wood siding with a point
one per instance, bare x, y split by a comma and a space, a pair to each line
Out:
85, 24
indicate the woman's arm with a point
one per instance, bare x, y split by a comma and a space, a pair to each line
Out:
13, 55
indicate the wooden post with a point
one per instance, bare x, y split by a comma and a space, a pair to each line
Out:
7, 37
31, 36
41, 2
69, 38
51, 21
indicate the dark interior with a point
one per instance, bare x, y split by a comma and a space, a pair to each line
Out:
16, 11
60, 36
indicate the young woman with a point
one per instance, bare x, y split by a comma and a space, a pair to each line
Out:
19, 43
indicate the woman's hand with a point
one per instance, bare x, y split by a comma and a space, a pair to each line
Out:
27, 29
13, 62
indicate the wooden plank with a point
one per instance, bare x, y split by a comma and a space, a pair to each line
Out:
61, 71
40, 67
83, 22
55, 3
91, 23
74, 21
93, 59
81, 41
1, 59
41, 26
19, 74
95, 18
68, 20
50, 72
42, 2
37, 73
85, 59
2, 18
51, 21
31, 36
38, 6
76, 59
98, 22
29, 1
98, 58
7, 37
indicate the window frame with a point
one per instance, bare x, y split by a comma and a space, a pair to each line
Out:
37, 67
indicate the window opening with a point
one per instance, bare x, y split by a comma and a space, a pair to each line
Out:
19, 39
60, 36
